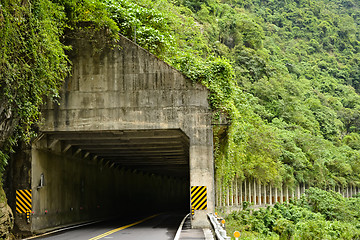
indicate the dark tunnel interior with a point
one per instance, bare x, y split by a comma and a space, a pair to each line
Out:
88, 175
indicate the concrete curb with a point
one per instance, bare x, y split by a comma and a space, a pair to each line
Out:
177, 236
208, 234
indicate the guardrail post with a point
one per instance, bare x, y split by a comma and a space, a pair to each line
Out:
236, 193
231, 195
304, 188
245, 190
260, 193
254, 185
249, 191
241, 193
287, 194
265, 194
227, 196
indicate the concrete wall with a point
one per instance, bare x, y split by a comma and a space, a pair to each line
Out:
78, 188
18, 177
128, 88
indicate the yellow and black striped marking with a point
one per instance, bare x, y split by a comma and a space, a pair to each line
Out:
198, 197
23, 201
28, 213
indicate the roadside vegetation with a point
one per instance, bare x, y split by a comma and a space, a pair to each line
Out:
317, 215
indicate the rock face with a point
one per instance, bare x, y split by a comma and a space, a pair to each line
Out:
6, 217
7, 122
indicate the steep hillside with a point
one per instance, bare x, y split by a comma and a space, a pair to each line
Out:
286, 73
298, 62
295, 65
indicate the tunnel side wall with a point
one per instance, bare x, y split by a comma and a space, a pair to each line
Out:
129, 88
79, 189
18, 177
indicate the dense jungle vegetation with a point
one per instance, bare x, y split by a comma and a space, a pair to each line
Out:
285, 73
317, 215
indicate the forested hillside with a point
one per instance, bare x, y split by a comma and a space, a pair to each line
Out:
296, 63
295, 69
285, 73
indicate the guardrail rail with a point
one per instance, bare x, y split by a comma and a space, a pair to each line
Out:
220, 232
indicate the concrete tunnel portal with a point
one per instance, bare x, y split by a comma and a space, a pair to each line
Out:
129, 133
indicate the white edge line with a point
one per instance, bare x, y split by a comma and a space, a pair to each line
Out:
62, 229
177, 236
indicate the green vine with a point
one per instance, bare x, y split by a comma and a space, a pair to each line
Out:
33, 59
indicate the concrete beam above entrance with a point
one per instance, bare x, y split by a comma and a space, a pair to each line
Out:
168, 150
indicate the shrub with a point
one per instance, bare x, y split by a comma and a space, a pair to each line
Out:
317, 215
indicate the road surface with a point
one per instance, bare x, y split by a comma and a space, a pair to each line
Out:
155, 227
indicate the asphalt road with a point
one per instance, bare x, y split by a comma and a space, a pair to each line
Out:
156, 227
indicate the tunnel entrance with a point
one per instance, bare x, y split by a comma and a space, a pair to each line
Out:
86, 175
124, 118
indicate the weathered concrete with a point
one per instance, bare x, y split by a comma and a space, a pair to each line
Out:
110, 91
18, 177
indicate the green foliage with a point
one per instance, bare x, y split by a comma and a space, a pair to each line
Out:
78, 12
33, 62
32, 57
147, 27
318, 215
294, 108
249, 148
329, 203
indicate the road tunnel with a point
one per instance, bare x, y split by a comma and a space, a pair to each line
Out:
87, 175
128, 133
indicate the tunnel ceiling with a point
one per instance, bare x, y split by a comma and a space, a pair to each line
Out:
164, 152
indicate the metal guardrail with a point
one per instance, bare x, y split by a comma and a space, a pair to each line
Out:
220, 232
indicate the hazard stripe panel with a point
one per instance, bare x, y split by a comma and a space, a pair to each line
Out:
198, 197
23, 201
